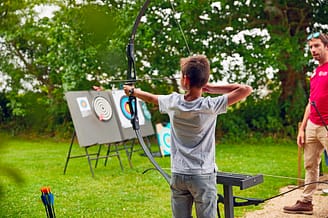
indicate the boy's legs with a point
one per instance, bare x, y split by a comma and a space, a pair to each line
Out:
200, 189
181, 198
205, 196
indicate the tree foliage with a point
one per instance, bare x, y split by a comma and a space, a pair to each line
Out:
261, 43
73, 50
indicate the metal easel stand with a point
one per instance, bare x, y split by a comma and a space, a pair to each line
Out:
130, 149
90, 155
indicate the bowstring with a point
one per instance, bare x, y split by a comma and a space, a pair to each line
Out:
179, 26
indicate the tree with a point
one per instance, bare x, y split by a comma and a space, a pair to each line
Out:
256, 42
262, 43
45, 57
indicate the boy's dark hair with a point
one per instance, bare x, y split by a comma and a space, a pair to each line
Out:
197, 69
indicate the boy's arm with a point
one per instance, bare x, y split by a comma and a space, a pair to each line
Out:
145, 96
235, 92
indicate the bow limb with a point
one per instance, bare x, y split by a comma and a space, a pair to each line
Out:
132, 75
150, 157
132, 99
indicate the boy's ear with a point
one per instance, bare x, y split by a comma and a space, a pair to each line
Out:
186, 79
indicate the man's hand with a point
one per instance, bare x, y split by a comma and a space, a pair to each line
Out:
301, 138
98, 88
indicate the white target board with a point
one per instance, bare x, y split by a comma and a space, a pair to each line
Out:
164, 138
123, 109
93, 118
102, 108
124, 115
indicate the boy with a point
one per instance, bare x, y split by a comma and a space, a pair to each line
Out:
193, 121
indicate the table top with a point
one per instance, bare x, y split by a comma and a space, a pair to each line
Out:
241, 180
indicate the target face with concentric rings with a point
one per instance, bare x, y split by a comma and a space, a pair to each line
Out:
165, 140
102, 108
125, 108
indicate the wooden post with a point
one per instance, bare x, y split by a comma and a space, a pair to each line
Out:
299, 170
299, 156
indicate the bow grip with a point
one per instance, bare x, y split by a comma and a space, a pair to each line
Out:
134, 112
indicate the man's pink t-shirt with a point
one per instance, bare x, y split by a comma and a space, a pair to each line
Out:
319, 94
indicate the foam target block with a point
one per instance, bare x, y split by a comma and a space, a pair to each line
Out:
93, 117
164, 138
123, 113
102, 108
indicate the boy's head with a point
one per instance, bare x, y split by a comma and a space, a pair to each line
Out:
197, 69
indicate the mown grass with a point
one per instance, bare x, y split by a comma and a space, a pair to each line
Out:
128, 193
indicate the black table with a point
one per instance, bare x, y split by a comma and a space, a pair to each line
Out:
232, 179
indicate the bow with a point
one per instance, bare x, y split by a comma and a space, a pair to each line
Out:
131, 78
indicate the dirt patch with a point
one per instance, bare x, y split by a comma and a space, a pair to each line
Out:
274, 207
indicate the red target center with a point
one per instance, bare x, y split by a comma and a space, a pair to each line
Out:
127, 108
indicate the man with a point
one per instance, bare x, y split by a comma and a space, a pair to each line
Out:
312, 135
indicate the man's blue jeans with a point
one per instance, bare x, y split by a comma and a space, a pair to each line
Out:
198, 189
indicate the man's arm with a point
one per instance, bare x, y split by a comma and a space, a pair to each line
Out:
235, 92
145, 96
301, 130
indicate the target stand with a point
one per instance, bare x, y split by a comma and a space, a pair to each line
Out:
103, 118
95, 124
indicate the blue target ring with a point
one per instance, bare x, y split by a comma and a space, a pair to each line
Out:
125, 108
145, 110
83, 104
167, 140
164, 139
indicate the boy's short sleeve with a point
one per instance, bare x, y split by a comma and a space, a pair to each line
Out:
216, 105
221, 104
164, 102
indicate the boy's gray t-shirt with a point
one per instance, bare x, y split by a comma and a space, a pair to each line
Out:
193, 131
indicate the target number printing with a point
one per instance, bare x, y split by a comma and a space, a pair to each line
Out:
102, 108
84, 106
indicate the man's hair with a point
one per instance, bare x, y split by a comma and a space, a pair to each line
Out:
324, 38
197, 69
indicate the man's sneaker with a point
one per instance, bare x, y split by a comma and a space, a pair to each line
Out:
300, 208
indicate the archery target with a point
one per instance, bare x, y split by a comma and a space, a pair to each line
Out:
84, 106
122, 107
102, 108
145, 110
86, 109
125, 108
164, 138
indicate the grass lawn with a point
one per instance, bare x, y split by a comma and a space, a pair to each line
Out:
128, 193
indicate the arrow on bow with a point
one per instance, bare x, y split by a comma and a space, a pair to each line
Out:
132, 99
